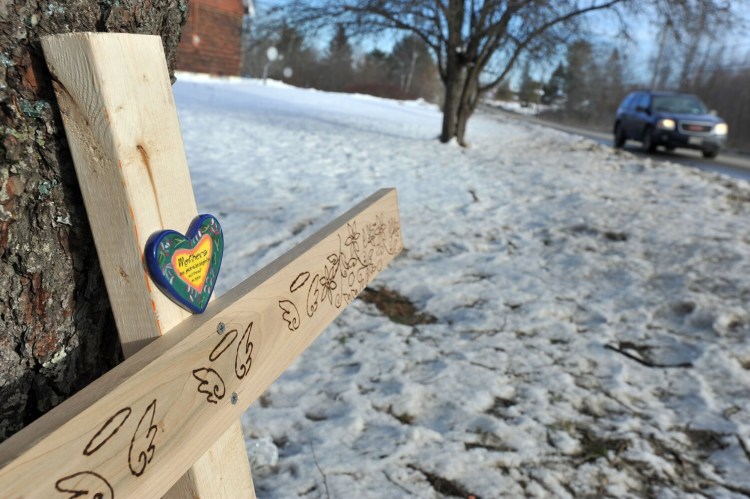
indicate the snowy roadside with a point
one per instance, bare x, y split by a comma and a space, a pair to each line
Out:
592, 308
530, 109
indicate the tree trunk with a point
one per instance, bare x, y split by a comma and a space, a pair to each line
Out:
454, 69
464, 113
57, 333
468, 103
460, 102
452, 103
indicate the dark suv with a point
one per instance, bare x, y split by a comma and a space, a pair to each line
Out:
671, 120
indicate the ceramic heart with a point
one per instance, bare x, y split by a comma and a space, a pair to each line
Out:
185, 267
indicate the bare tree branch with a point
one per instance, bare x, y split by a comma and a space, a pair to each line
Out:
522, 44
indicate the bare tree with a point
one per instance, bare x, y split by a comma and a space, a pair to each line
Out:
724, 85
686, 34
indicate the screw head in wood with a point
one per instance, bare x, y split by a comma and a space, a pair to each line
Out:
234, 398
220, 328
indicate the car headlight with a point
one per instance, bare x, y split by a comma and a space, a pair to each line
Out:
665, 124
721, 129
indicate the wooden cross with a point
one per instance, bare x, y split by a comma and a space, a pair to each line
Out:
166, 421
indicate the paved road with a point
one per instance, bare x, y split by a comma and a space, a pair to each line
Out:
727, 164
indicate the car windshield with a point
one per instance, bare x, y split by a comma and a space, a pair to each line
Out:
682, 104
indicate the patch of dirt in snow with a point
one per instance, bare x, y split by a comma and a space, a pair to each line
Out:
396, 307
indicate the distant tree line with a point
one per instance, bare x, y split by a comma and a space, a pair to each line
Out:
585, 89
407, 71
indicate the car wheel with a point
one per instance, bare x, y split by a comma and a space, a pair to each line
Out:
620, 137
648, 141
710, 153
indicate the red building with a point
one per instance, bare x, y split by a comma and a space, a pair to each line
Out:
211, 39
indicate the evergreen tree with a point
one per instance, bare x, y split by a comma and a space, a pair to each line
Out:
413, 69
339, 61
297, 56
580, 64
374, 66
614, 84
529, 86
554, 89
504, 92
373, 76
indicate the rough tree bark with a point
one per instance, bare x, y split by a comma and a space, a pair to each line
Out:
455, 70
56, 328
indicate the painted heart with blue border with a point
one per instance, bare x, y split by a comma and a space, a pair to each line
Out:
185, 267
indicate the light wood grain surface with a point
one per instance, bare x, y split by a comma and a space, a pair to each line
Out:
115, 97
141, 426
120, 119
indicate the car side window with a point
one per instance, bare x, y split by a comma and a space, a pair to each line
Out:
638, 100
643, 101
627, 104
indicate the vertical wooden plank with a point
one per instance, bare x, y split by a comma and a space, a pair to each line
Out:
208, 477
121, 123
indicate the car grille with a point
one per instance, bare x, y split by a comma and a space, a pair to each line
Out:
695, 128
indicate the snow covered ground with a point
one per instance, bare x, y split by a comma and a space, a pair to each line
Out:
592, 308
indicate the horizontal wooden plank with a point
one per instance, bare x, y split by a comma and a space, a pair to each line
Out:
136, 430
